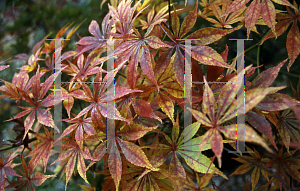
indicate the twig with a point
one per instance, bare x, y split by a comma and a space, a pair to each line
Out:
257, 62
14, 146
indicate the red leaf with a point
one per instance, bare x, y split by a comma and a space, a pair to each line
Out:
293, 44
252, 15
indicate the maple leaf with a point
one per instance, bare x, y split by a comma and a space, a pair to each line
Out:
221, 21
246, 166
169, 89
31, 60
201, 53
6, 169
139, 178
186, 147
51, 47
99, 39
132, 152
38, 93
79, 125
226, 111
124, 19
99, 99
256, 8
285, 163
287, 126
292, 40
28, 178
69, 155
42, 151
272, 102
154, 21
83, 70
19, 80
136, 49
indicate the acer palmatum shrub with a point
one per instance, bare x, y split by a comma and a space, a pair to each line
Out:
142, 142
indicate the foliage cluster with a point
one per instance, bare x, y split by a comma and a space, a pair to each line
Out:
149, 148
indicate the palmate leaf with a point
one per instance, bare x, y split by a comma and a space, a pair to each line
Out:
222, 20
246, 166
201, 53
6, 169
285, 163
136, 48
226, 111
28, 178
38, 92
187, 148
73, 151
139, 178
42, 151
288, 127
292, 40
98, 100
256, 8
132, 153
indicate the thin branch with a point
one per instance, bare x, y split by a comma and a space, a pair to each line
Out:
14, 146
257, 58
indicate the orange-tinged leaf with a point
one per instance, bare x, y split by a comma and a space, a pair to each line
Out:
252, 98
179, 67
284, 2
228, 93
269, 14
293, 44
81, 167
208, 56
68, 104
70, 168
216, 143
175, 22
267, 77
115, 164
29, 122
262, 125
6, 169
143, 109
208, 103
39, 178
134, 154
189, 21
176, 168
252, 15
250, 135
280, 28
207, 35
235, 5
135, 131
166, 104
201, 117
174, 89
45, 118
276, 102
155, 42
